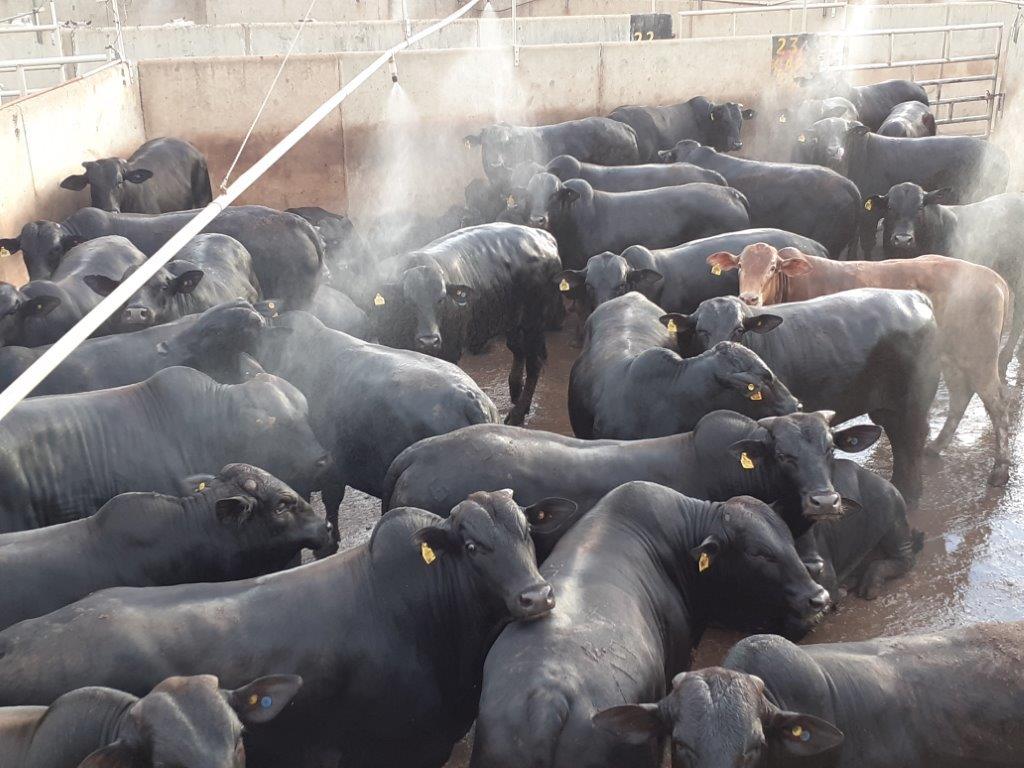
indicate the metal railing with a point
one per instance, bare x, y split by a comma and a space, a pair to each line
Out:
735, 13
66, 66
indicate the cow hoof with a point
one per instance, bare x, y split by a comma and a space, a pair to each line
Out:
933, 449
999, 476
515, 418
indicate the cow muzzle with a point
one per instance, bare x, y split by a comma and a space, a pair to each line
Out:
823, 505
428, 343
535, 602
541, 222
903, 240
137, 316
735, 146
751, 299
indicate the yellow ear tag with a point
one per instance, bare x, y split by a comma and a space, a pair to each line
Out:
797, 731
378, 300
782, 118
671, 325
270, 305
4, 253
564, 285
427, 553
715, 269
745, 461
801, 138
254, 700
510, 201
202, 487
704, 562
868, 205
756, 396
468, 143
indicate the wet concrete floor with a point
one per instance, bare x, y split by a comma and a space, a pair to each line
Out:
972, 566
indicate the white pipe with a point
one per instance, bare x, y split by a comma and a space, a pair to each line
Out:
21, 387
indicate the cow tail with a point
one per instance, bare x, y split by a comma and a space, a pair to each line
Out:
392, 476
741, 197
547, 711
201, 188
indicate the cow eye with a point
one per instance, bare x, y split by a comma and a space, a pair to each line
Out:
471, 546
767, 557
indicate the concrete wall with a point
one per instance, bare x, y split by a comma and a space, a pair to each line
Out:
44, 138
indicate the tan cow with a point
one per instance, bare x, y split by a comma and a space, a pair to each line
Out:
973, 306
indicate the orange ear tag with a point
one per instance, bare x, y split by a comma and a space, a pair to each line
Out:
716, 270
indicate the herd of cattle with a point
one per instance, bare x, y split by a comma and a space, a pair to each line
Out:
550, 589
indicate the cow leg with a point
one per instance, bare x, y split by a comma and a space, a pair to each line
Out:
899, 550
514, 341
535, 352
993, 395
1016, 330
907, 432
332, 495
960, 394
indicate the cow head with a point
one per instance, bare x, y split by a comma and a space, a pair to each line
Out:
725, 121
412, 311
192, 721
685, 151
268, 419
550, 201
744, 383
903, 209
502, 148
724, 318
829, 142
42, 245
801, 446
262, 512
491, 535
107, 180
154, 303
212, 341
823, 85
16, 307
763, 270
721, 718
605, 276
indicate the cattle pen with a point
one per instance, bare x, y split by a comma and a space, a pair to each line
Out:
375, 110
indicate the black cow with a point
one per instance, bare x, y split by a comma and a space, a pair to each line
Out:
239, 524
945, 700
974, 169
638, 580
339, 312
792, 121
909, 120
393, 631
160, 176
807, 200
867, 351
17, 308
462, 290
209, 342
182, 721
593, 140
485, 199
988, 232
68, 289
368, 403
346, 255
287, 253
209, 270
586, 222
873, 102
717, 125
632, 178
707, 463
676, 279
145, 437
628, 381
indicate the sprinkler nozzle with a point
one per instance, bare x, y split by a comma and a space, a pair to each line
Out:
393, 69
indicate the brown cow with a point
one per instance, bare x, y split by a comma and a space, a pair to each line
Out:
973, 306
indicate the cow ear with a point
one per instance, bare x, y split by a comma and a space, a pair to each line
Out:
646, 278
858, 129
568, 195
138, 175
803, 735
270, 308
633, 723
10, 244
876, 204
76, 182
782, 115
571, 280
101, 284
723, 260
186, 282
459, 293
40, 306
793, 262
748, 114
761, 323
856, 438
195, 483
550, 515
434, 540
705, 553
667, 156
677, 322
263, 699
234, 509
748, 451
938, 196
116, 755
472, 140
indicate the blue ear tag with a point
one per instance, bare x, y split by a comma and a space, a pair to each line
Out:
266, 702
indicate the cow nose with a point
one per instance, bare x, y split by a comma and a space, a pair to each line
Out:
750, 299
537, 600
737, 145
815, 567
819, 601
539, 221
137, 315
431, 341
903, 239
824, 503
